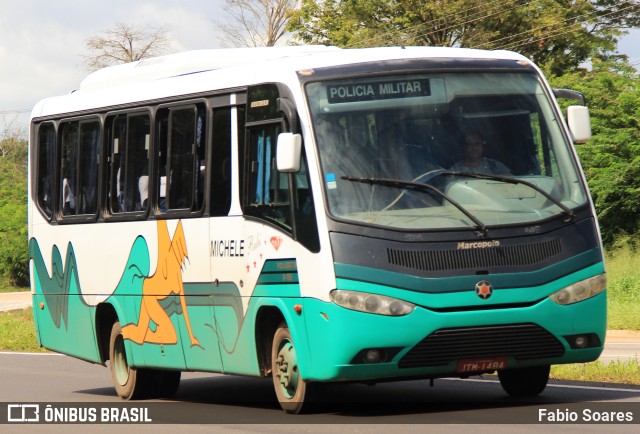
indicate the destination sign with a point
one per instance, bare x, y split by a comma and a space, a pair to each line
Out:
377, 90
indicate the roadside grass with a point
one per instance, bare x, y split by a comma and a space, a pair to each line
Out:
623, 285
618, 371
7, 286
18, 332
622, 315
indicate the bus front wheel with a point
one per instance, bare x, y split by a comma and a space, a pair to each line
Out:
524, 382
289, 385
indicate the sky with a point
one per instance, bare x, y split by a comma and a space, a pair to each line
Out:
42, 42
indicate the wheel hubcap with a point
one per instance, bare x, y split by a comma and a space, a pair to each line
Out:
119, 362
286, 368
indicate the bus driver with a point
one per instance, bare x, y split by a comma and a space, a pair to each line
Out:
474, 160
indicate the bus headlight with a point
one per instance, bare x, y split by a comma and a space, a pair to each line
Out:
580, 290
371, 303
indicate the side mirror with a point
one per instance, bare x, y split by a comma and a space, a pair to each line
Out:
579, 123
288, 151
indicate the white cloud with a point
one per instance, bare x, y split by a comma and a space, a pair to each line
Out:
43, 42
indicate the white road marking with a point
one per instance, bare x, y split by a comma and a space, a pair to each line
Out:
17, 353
566, 386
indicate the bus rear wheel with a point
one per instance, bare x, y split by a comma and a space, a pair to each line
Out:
130, 383
137, 383
524, 382
164, 383
289, 385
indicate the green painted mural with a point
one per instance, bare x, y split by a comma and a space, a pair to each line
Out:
155, 308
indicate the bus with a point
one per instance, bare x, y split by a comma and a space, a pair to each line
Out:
315, 215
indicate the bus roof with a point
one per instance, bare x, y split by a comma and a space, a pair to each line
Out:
190, 62
234, 67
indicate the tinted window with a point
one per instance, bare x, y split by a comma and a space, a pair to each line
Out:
221, 166
45, 170
80, 143
266, 192
128, 162
181, 159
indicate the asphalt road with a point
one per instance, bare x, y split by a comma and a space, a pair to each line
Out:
217, 403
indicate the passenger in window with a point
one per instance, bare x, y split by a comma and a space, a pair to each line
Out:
143, 190
474, 160
68, 197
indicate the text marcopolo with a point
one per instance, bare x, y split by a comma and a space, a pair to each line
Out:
478, 244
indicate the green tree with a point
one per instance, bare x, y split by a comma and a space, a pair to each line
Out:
611, 160
13, 209
559, 34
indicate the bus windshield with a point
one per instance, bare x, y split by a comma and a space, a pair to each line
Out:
446, 150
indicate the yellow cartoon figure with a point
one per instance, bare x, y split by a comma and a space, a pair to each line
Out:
167, 280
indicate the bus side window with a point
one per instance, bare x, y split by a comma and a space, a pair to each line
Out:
69, 162
181, 154
304, 209
181, 159
89, 167
138, 139
129, 161
220, 201
45, 169
267, 191
162, 140
80, 147
201, 162
117, 143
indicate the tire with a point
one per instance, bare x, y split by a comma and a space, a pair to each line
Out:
290, 387
141, 383
525, 382
165, 383
130, 383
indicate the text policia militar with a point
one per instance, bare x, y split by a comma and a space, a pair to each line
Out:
344, 93
583, 416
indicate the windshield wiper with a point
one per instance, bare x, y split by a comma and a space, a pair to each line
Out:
568, 212
398, 183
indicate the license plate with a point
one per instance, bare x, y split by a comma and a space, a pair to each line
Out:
477, 365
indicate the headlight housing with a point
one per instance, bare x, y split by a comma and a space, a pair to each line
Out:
371, 303
580, 290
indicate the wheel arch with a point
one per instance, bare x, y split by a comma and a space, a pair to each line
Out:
106, 315
269, 316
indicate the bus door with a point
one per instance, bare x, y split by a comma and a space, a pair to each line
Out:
251, 238
228, 245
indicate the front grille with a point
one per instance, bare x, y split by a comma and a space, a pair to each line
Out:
490, 257
522, 341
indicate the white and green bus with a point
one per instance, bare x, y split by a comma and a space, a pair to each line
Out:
314, 215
